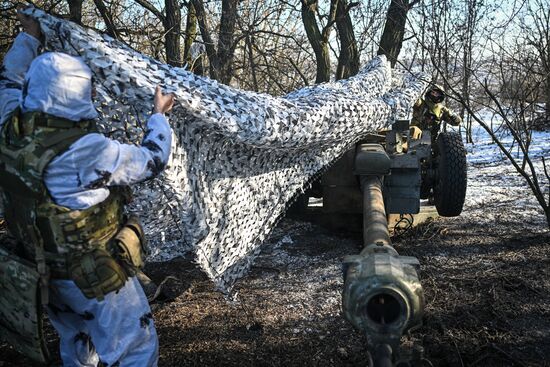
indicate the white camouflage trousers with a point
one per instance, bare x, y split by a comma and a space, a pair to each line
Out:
117, 331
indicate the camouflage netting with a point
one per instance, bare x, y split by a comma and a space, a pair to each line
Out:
239, 158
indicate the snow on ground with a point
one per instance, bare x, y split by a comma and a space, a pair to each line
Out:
494, 183
485, 279
477, 271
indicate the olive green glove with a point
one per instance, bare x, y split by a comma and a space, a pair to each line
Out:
455, 120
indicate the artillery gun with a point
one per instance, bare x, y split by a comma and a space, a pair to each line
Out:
385, 175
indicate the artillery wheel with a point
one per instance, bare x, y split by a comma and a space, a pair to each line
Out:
451, 181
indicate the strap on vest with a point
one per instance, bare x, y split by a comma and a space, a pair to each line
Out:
41, 268
67, 137
24, 161
12, 183
29, 120
89, 271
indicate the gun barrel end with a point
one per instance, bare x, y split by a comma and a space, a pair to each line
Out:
382, 296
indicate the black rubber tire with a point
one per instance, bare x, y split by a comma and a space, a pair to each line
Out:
451, 181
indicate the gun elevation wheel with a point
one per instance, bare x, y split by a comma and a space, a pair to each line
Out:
451, 181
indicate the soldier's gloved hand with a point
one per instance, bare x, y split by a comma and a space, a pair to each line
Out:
162, 102
456, 120
30, 25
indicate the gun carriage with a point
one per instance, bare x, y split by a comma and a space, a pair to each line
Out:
384, 178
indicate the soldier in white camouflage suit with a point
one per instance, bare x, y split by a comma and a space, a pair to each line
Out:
63, 203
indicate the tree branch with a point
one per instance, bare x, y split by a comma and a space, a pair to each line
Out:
205, 32
413, 3
330, 21
107, 18
147, 5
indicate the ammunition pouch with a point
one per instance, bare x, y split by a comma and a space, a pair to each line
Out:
102, 271
96, 273
20, 310
130, 246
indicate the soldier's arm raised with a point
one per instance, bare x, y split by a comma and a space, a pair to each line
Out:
16, 63
451, 117
104, 162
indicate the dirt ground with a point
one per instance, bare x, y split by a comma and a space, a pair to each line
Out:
487, 291
487, 301
486, 278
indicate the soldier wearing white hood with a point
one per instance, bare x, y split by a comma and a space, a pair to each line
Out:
61, 185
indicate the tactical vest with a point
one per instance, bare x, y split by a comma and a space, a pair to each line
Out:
55, 241
48, 232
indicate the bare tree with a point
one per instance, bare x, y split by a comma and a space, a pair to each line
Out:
368, 20
509, 91
471, 10
348, 60
319, 37
220, 57
171, 20
107, 17
273, 55
394, 29
518, 125
536, 29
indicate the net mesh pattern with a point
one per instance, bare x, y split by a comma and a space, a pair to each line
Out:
239, 158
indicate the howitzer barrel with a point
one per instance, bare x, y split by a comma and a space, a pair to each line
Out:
382, 295
375, 223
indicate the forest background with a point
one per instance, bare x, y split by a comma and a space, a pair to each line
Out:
485, 274
491, 57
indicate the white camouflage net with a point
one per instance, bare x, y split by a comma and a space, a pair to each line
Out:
238, 158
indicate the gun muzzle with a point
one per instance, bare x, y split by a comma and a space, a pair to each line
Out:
382, 295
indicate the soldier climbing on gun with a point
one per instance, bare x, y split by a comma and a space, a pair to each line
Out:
64, 190
430, 111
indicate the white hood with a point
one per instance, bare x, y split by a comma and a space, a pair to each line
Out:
60, 85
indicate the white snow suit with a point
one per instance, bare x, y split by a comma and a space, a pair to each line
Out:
119, 330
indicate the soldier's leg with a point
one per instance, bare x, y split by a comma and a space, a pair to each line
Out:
121, 326
76, 348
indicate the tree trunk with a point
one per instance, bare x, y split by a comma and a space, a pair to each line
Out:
172, 27
394, 30
190, 33
202, 21
466, 60
75, 10
547, 92
249, 46
107, 18
317, 40
348, 60
226, 47
545, 58
220, 60
195, 65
